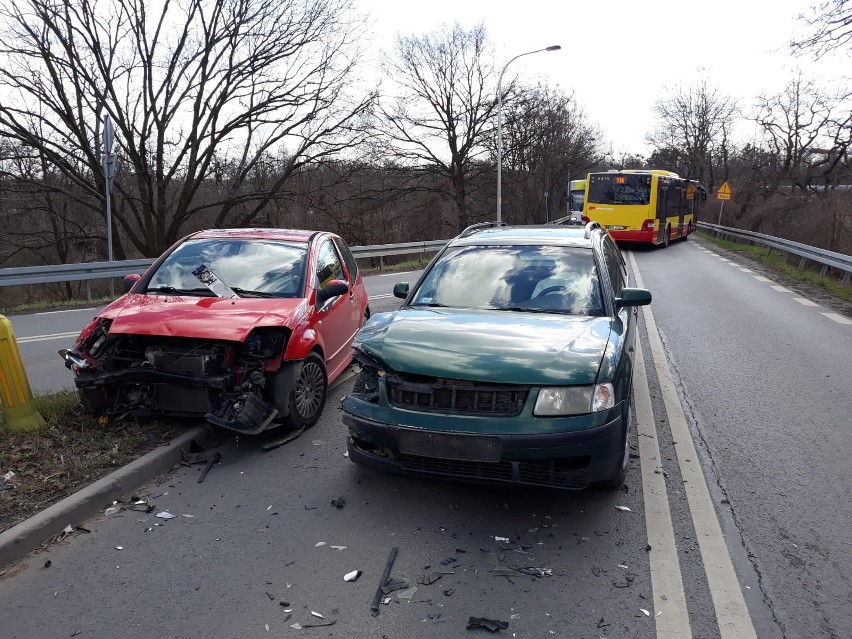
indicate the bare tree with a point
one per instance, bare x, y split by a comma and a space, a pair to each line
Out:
437, 116
189, 84
830, 28
809, 130
693, 124
548, 141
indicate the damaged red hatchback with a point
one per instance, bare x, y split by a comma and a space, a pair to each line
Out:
244, 327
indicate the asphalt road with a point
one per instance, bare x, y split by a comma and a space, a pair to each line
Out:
742, 419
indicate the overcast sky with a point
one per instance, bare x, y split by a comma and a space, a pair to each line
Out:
618, 56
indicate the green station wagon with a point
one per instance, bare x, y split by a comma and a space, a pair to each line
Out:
510, 361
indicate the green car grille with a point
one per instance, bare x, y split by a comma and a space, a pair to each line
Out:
454, 396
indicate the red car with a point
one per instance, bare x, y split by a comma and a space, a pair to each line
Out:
244, 327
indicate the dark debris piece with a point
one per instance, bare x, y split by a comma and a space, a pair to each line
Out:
430, 578
340, 502
492, 625
448, 561
48, 563
602, 623
393, 585
449, 592
316, 623
271, 596
436, 618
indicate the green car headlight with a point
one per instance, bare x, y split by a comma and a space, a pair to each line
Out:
574, 400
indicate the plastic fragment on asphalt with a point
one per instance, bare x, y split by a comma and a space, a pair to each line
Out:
435, 617
647, 614
430, 578
112, 510
316, 614
189, 516
346, 454
119, 547
165, 515
296, 626
515, 616
386, 601
407, 594
492, 625
318, 442
624, 508
622, 566
338, 547
319, 543
266, 625
269, 507
352, 576
659, 613
506, 539
68, 529
394, 584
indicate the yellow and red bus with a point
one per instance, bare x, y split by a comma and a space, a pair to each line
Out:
647, 206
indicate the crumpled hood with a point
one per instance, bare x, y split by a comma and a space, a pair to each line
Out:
494, 346
199, 317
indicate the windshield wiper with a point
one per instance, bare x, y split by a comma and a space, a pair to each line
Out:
179, 291
244, 293
526, 309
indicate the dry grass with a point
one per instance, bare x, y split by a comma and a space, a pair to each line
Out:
73, 451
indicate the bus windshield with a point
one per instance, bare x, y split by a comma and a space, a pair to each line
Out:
619, 189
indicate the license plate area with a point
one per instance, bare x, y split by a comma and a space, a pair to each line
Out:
475, 448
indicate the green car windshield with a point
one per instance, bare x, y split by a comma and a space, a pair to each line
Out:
254, 267
544, 279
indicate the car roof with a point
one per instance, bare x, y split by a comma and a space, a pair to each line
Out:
289, 235
548, 235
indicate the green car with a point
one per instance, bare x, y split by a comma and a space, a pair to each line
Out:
510, 361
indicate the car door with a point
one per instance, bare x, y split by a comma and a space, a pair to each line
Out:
335, 321
357, 292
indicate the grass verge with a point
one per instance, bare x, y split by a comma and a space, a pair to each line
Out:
776, 262
71, 452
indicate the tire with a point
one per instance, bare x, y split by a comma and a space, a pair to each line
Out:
307, 398
685, 236
668, 236
616, 481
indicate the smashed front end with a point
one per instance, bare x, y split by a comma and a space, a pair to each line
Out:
123, 375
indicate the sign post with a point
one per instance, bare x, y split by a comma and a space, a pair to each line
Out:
724, 193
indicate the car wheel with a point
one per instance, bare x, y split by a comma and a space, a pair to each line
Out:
620, 474
308, 396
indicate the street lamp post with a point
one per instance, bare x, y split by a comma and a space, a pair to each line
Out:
555, 47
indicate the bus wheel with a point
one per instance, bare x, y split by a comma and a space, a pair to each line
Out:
667, 236
686, 232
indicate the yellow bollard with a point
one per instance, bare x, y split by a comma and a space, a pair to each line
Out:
16, 398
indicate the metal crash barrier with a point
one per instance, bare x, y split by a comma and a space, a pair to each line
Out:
16, 397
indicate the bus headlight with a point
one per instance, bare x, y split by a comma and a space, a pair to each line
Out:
574, 400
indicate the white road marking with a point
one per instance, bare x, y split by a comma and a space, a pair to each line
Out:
666, 580
67, 310
804, 301
712, 253
760, 278
725, 259
840, 319
378, 297
731, 611
746, 270
45, 338
394, 273
781, 289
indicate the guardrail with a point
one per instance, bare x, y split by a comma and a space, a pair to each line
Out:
826, 259
89, 271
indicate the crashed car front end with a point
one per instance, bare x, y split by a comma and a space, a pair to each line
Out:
139, 375
412, 412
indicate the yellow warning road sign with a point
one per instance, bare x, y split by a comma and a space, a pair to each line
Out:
690, 191
724, 192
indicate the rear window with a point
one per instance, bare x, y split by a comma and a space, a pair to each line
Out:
618, 188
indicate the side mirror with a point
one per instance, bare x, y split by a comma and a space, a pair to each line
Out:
129, 281
633, 297
333, 289
400, 290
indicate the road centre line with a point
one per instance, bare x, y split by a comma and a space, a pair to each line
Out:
731, 611
45, 338
666, 580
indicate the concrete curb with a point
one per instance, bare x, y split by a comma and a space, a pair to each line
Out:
32, 533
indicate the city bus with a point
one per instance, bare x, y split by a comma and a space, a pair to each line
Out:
647, 206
